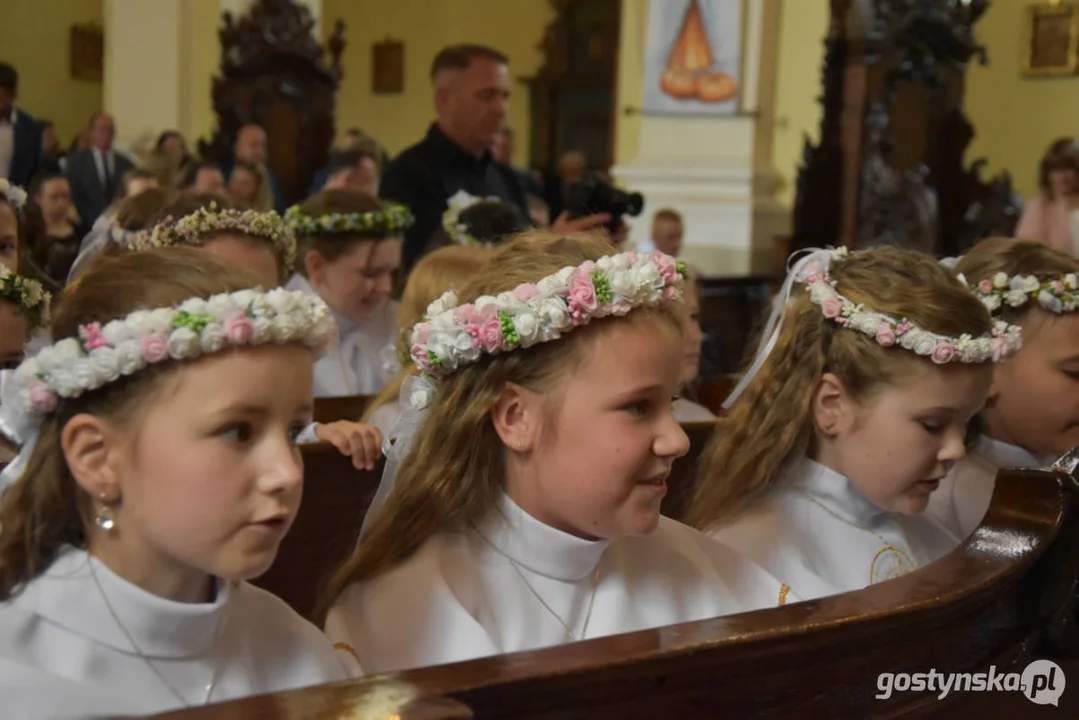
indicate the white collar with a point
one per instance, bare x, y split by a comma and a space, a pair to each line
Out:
67, 595
1004, 454
539, 547
835, 492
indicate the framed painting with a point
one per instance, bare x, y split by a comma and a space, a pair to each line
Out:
1051, 39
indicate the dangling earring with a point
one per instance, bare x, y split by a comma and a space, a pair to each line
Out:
104, 518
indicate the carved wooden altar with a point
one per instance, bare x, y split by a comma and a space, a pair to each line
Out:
273, 73
889, 166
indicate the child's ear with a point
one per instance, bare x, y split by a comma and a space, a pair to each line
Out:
91, 447
833, 407
314, 264
517, 418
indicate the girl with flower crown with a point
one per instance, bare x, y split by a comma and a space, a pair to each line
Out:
350, 247
479, 222
163, 475
526, 510
853, 411
24, 308
12, 201
1032, 414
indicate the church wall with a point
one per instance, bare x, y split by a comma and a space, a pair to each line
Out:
516, 28
34, 37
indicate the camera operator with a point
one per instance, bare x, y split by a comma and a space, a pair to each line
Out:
472, 90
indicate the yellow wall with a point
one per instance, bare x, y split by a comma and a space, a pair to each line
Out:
802, 27
515, 27
1015, 117
34, 37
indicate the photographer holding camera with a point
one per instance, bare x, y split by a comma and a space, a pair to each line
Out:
472, 90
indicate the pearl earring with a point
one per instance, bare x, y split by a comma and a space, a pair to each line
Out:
104, 518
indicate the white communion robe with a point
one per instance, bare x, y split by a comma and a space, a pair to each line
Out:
962, 499
63, 653
497, 590
816, 522
353, 364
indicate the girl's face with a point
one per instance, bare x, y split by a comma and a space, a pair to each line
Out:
598, 467
1034, 399
9, 238
13, 335
254, 254
1064, 182
210, 480
895, 446
359, 281
243, 186
54, 198
691, 338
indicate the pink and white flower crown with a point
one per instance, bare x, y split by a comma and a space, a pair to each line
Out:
1057, 294
102, 354
455, 335
1002, 342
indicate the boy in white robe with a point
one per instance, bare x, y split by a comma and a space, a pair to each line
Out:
1032, 414
854, 410
145, 506
350, 248
526, 513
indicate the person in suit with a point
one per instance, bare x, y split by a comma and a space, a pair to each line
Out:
94, 172
20, 133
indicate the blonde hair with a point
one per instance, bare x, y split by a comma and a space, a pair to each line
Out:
1015, 257
448, 268
454, 473
771, 422
46, 509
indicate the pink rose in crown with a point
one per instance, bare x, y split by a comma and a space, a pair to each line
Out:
463, 313
669, 295
885, 335
490, 335
985, 286
582, 293
903, 328
998, 346
91, 336
238, 329
422, 333
943, 353
832, 307
668, 269
526, 292
621, 307
1057, 286
418, 352
41, 397
154, 347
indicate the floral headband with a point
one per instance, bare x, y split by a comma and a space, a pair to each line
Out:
391, 219
1003, 341
887, 331
27, 295
13, 194
455, 335
451, 219
191, 229
1057, 295
104, 354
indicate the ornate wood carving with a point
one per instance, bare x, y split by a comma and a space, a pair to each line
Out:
889, 167
273, 72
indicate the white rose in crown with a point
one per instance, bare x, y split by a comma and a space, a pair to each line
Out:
866, 323
212, 337
161, 320
508, 301
261, 330
59, 355
1000, 280
34, 294
282, 301
554, 315
106, 364
184, 344
440, 342
464, 347
918, 341
1070, 281
1030, 284
620, 262
420, 398
442, 320
85, 375
285, 330
221, 306
448, 301
622, 284
128, 357
62, 380
1015, 298
117, 332
527, 326
243, 298
991, 302
194, 306
484, 300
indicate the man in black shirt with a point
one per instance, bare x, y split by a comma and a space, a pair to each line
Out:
472, 90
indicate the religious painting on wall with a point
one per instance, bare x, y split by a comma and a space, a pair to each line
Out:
1051, 45
693, 57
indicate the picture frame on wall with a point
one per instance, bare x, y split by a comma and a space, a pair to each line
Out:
1051, 39
388, 67
87, 52
694, 57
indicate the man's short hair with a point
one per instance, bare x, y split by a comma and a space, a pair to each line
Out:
347, 159
192, 172
9, 78
667, 214
460, 57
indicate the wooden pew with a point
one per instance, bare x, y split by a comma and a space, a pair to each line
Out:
996, 600
332, 409
335, 498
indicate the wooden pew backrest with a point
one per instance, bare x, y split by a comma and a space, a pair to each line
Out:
332, 409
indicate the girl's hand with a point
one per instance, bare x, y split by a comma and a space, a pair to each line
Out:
360, 441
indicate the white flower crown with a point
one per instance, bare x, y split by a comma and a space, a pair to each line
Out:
455, 335
13, 194
1057, 295
1002, 342
27, 295
104, 354
451, 219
